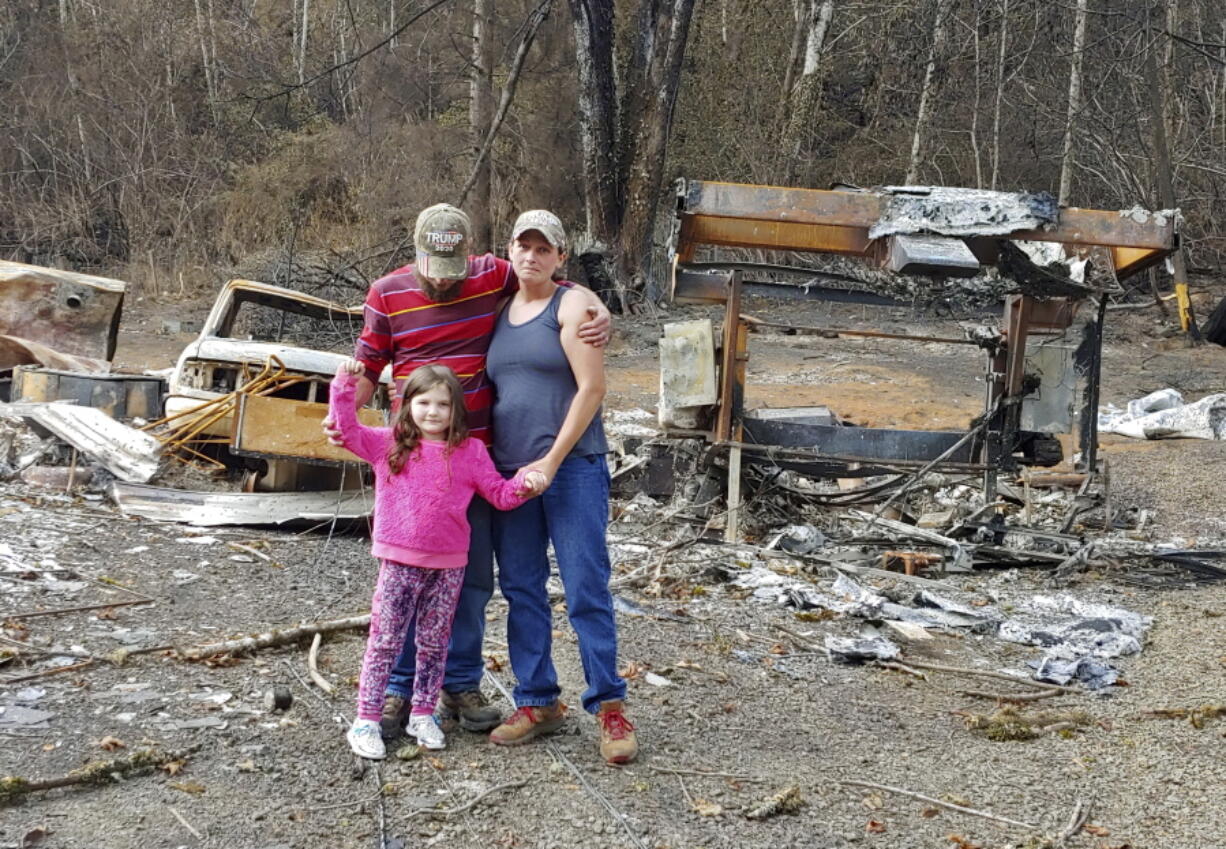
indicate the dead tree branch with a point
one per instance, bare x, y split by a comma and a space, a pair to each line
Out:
939, 803
276, 638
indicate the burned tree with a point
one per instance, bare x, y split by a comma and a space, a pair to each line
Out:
624, 134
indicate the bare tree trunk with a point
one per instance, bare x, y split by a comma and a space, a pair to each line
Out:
64, 14
801, 13
210, 82
302, 40
921, 117
624, 140
391, 23
1164, 175
653, 78
975, 107
593, 21
806, 94
1000, 90
480, 119
508, 94
1074, 101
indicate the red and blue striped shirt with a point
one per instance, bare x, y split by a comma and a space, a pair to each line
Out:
405, 327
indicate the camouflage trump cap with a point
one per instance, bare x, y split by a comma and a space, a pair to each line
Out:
545, 223
442, 238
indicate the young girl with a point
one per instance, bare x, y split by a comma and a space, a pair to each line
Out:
427, 469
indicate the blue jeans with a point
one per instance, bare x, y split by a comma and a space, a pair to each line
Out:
465, 661
572, 514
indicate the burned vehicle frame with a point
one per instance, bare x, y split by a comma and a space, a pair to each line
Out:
276, 392
944, 234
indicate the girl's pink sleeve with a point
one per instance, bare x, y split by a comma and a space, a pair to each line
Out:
492, 486
367, 442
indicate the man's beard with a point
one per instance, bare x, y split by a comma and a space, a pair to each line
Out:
444, 290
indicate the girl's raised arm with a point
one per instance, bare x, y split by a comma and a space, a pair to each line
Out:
367, 442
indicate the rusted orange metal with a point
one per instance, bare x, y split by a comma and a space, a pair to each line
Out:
833, 221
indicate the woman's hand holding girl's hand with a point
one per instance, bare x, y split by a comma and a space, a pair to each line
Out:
532, 481
350, 366
536, 482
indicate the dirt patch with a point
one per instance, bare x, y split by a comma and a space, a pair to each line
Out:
730, 710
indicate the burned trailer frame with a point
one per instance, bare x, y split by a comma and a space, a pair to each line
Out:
894, 228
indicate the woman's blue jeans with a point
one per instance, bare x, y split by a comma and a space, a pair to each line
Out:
572, 514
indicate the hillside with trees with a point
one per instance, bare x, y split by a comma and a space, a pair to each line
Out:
169, 142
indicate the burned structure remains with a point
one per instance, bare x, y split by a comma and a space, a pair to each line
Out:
1046, 271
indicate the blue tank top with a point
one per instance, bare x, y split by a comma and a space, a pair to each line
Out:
533, 386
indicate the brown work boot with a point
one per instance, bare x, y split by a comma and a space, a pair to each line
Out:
470, 708
617, 742
527, 723
395, 715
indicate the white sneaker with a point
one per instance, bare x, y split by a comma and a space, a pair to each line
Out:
365, 739
427, 732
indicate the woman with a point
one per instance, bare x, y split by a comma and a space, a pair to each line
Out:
546, 417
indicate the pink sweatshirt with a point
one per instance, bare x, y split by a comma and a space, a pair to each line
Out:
420, 512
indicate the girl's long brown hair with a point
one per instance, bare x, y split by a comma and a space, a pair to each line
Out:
406, 435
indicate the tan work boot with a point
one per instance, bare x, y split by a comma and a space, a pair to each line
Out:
395, 715
528, 723
470, 709
617, 741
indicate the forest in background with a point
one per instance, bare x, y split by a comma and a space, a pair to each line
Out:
170, 142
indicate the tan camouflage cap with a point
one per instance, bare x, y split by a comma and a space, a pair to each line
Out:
442, 238
545, 223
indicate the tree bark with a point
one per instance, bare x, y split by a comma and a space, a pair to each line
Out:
1000, 90
1074, 101
806, 95
800, 11
593, 22
302, 40
921, 117
664, 30
508, 94
1165, 179
480, 118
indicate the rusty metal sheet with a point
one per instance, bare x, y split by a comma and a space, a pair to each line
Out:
776, 203
779, 235
15, 351
832, 221
284, 428
76, 313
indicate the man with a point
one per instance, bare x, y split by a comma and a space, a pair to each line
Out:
442, 310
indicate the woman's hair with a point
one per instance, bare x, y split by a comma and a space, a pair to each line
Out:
406, 435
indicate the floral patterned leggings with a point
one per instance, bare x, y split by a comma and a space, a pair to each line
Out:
403, 593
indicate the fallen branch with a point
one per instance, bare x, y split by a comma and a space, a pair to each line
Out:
984, 673
47, 652
313, 667
94, 772
1033, 695
238, 546
459, 809
900, 667
800, 640
939, 803
55, 670
1077, 819
732, 776
185, 823
60, 610
275, 638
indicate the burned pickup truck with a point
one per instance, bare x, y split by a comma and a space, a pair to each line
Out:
251, 390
